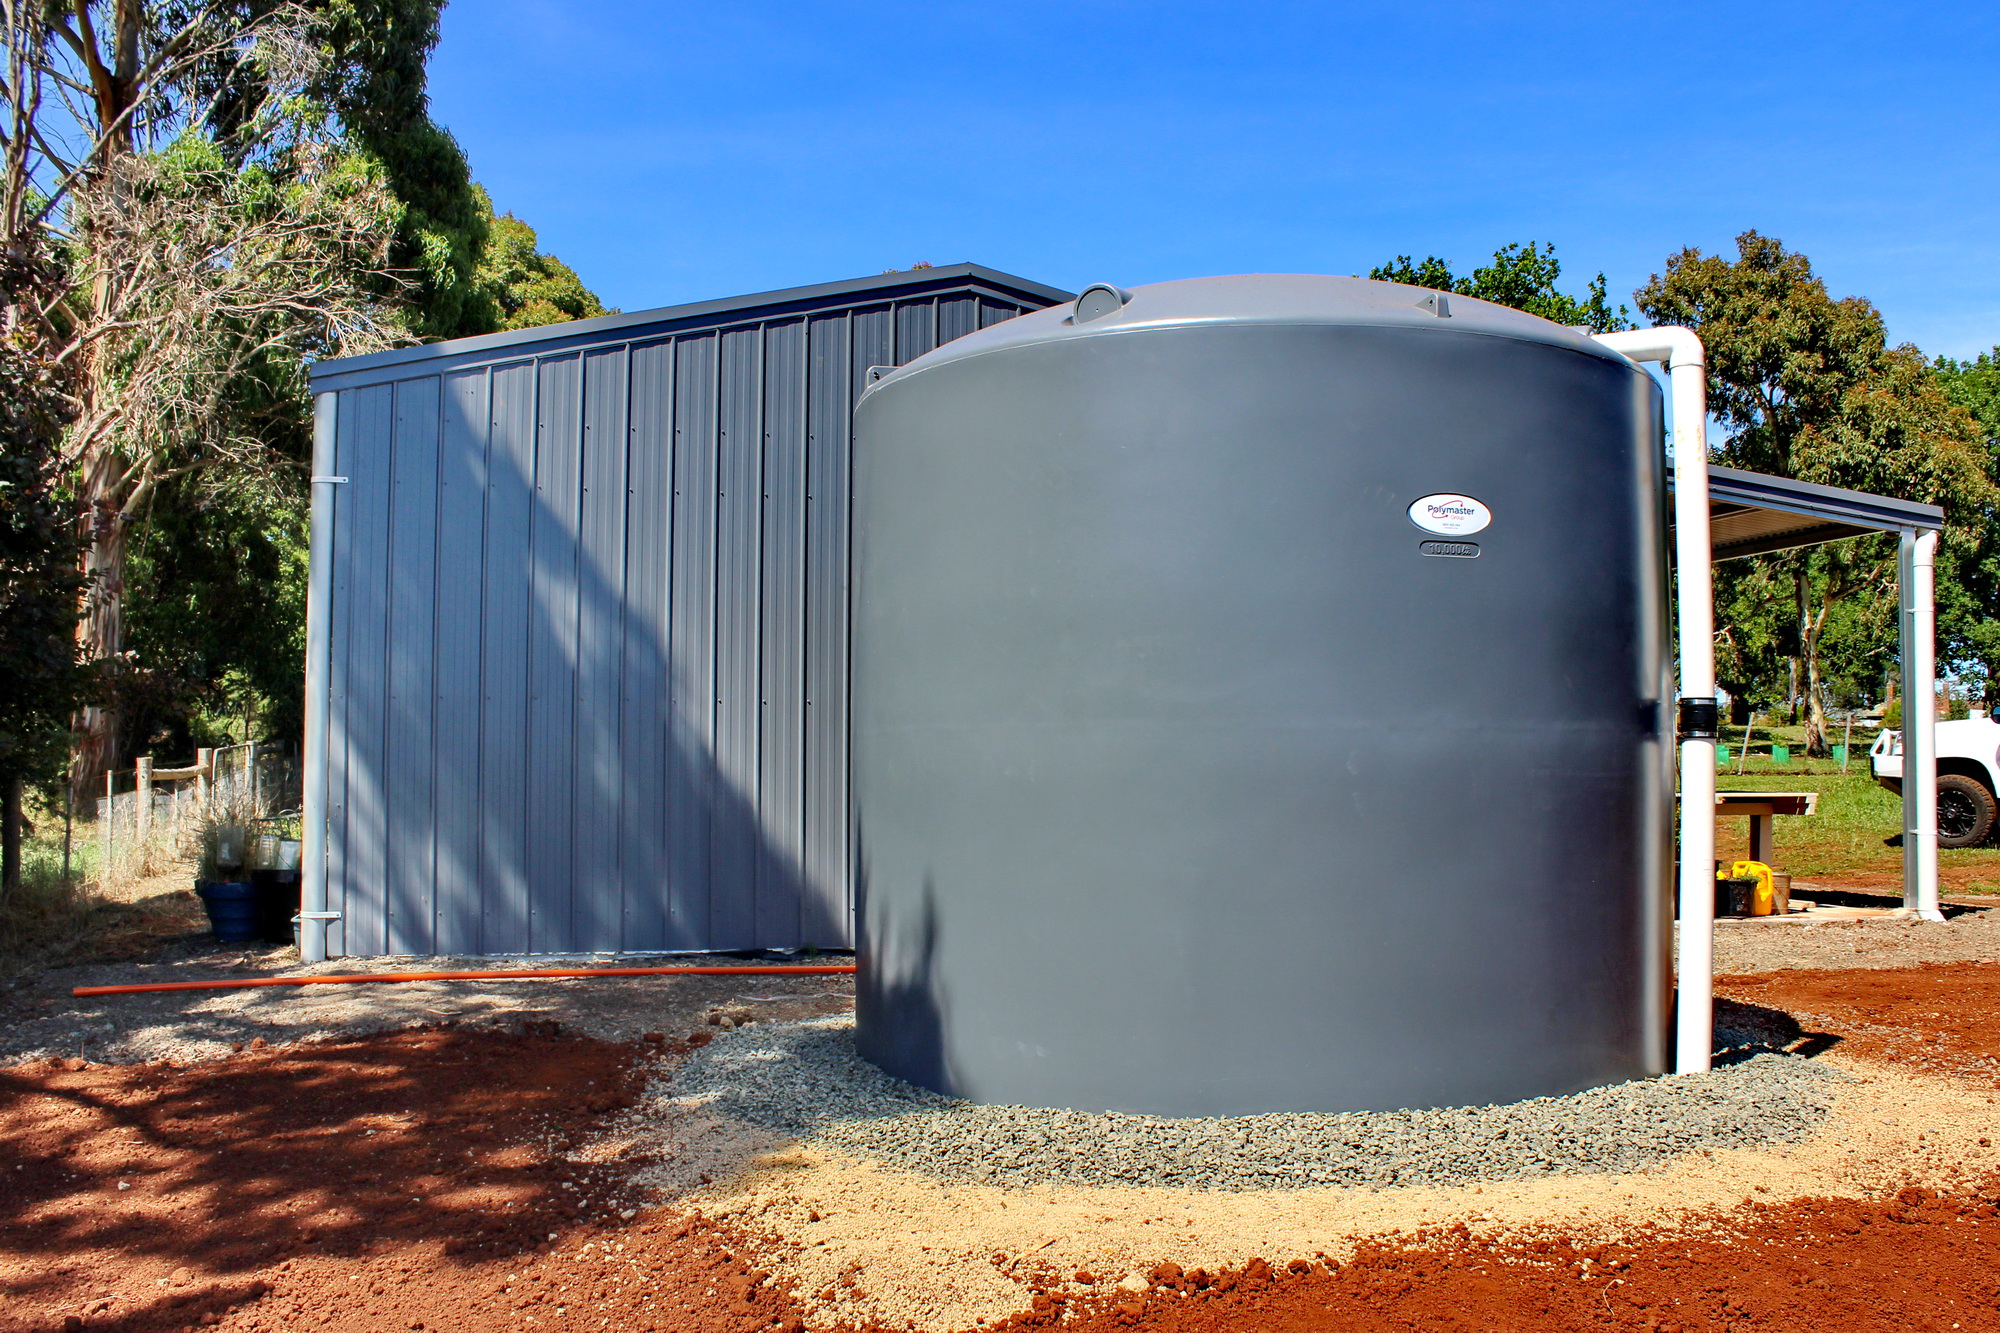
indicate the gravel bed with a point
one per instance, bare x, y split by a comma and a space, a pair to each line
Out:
804, 1079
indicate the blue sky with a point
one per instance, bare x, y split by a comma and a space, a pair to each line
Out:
675, 152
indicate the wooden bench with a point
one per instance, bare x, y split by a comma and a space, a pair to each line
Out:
1761, 807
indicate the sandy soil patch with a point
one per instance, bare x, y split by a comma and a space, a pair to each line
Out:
866, 1244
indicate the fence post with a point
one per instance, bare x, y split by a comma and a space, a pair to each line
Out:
256, 803
204, 762
143, 774
110, 816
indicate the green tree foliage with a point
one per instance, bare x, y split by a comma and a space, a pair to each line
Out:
1969, 598
529, 288
41, 682
1521, 276
376, 84
216, 227
39, 572
368, 72
216, 626
216, 579
230, 276
1810, 389
238, 188
275, 192
1975, 386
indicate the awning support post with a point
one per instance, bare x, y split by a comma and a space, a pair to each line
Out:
1916, 555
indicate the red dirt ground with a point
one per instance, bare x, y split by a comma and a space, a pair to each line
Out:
395, 1182
1916, 1261
1943, 1018
258, 1199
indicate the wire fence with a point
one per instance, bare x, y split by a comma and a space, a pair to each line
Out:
161, 814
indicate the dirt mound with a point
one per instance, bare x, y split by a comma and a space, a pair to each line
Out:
1915, 1260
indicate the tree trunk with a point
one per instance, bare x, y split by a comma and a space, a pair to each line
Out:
113, 77
101, 631
1816, 724
10, 837
1801, 593
1810, 628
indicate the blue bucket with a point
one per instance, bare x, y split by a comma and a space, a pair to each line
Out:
232, 910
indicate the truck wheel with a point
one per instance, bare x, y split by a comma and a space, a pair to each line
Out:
1965, 811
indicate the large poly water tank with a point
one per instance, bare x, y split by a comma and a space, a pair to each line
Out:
1260, 703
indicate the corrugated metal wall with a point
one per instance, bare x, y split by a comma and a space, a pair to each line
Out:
588, 620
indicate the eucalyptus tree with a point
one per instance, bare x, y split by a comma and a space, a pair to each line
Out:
172, 266
369, 75
1810, 388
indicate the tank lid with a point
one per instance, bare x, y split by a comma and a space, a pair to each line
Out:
1258, 298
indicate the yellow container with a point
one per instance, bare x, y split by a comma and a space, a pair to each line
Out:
1766, 901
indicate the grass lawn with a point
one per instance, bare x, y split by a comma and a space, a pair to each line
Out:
1844, 844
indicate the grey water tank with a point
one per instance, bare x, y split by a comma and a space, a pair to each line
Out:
1259, 704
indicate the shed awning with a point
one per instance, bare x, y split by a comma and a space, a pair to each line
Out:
1750, 513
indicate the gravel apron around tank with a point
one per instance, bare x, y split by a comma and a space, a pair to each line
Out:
804, 1079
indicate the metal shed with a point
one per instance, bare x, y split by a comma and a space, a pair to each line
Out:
578, 624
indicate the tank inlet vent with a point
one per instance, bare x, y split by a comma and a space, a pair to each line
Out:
1098, 300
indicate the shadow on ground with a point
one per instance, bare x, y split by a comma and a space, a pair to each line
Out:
176, 1186
1743, 1030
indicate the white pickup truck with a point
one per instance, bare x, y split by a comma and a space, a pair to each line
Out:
1968, 760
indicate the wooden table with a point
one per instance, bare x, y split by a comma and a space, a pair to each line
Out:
1761, 806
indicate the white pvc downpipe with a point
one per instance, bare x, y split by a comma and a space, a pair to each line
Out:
1694, 1012
1916, 556
319, 645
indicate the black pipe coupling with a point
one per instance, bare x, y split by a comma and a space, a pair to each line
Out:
1700, 719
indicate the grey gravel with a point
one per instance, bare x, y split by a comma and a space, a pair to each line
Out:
804, 1079
1969, 934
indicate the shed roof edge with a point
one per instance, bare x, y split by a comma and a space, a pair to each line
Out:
525, 342
1882, 513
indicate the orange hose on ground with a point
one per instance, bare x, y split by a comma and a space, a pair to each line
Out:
523, 974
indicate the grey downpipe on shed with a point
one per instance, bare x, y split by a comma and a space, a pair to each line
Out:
313, 914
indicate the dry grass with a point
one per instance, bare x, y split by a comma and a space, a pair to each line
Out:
85, 918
